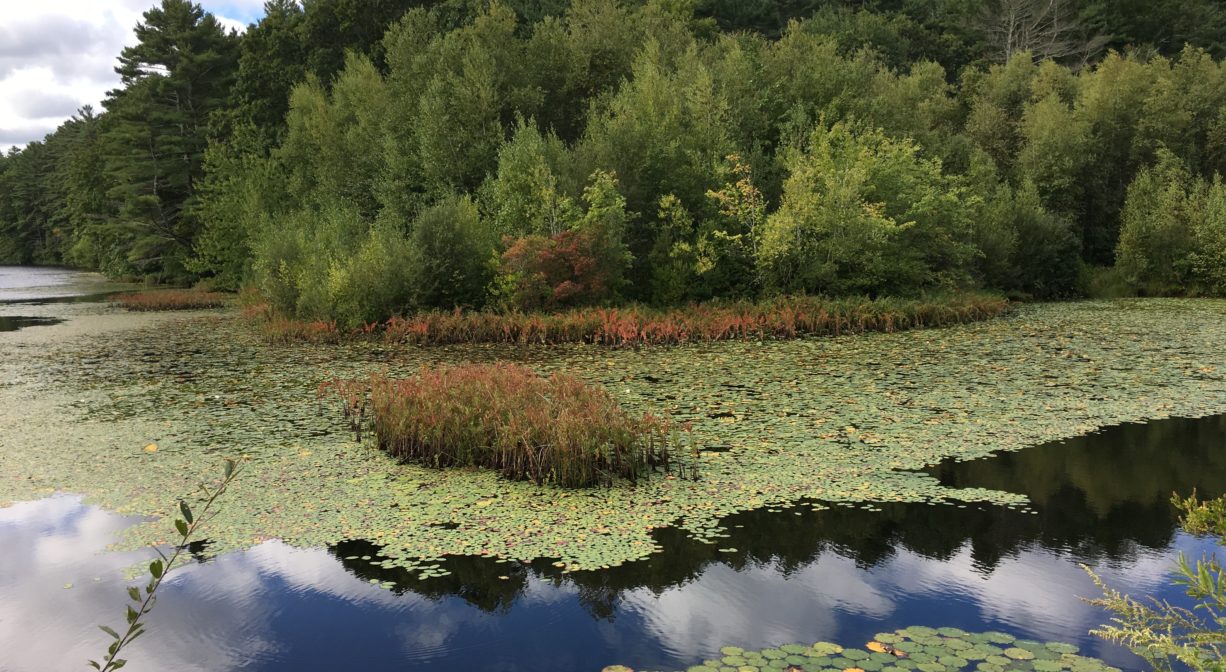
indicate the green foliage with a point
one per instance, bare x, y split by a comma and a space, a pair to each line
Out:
1173, 223
525, 195
385, 108
177, 74
1022, 246
333, 145
333, 265
1208, 256
242, 192
863, 213
1168, 637
450, 255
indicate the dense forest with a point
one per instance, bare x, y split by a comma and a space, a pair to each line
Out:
355, 159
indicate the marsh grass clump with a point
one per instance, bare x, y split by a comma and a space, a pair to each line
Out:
557, 430
778, 319
280, 330
172, 299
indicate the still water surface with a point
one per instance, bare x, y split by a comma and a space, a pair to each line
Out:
797, 575
38, 284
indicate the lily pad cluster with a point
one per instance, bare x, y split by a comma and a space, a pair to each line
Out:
843, 420
917, 648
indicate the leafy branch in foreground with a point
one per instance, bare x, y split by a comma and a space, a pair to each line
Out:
1170, 637
159, 569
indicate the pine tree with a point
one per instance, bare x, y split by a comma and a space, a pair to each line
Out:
178, 73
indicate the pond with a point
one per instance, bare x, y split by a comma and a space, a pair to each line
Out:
37, 284
797, 575
793, 564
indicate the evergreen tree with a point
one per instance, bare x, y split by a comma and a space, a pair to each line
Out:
177, 74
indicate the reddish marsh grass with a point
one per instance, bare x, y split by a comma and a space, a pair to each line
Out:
172, 299
556, 430
283, 331
783, 318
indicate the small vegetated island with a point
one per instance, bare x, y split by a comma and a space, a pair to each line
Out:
533, 279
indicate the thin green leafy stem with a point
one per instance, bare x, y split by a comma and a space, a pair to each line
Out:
159, 569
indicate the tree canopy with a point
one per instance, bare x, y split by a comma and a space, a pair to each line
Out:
357, 159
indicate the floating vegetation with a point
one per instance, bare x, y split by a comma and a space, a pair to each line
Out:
835, 420
919, 648
781, 318
172, 299
557, 430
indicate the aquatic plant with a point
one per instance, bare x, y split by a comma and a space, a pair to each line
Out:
282, 330
557, 430
172, 299
778, 422
1169, 637
776, 319
159, 569
918, 647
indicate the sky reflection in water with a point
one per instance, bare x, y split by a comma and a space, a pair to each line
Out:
797, 576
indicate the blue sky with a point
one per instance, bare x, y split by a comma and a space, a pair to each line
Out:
58, 55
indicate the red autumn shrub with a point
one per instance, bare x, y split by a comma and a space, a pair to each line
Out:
544, 273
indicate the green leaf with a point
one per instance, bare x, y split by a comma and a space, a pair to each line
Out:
132, 615
229, 469
109, 631
187, 511
116, 664
94, 664
155, 568
181, 526
134, 593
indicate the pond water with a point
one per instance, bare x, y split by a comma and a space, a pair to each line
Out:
797, 575
782, 575
38, 284
15, 322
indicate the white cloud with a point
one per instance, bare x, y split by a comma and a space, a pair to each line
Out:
58, 55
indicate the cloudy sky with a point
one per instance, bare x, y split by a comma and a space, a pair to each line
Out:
57, 55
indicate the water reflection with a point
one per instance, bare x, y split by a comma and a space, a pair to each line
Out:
15, 322
43, 284
796, 575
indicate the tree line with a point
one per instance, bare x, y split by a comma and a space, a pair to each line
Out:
355, 159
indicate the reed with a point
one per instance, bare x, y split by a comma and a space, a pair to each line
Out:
555, 430
171, 299
284, 331
777, 319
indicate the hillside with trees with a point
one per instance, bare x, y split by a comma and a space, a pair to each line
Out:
358, 159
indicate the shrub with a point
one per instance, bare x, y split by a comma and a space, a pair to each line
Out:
1208, 258
865, 213
1173, 237
582, 265
556, 430
333, 265
449, 255
172, 299
1155, 234
1166, 636
1104, 282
